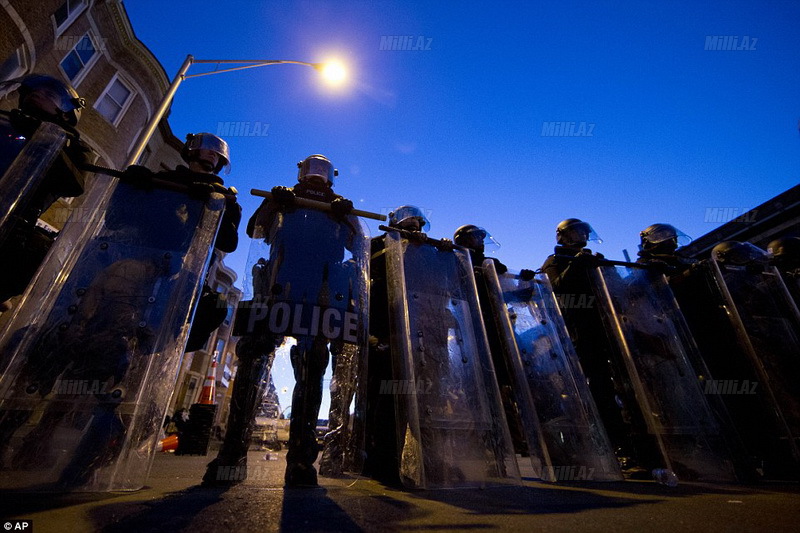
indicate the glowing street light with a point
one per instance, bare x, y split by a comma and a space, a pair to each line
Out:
333, 72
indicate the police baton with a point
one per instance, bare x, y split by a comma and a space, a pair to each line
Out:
415, 236
322, 206
604, 262
162, 184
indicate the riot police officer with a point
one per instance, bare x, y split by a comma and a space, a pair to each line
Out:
206, 156
478, 241
659, 248
41, 99
572, 237
569, 272
142, 255
291, 272
382, 460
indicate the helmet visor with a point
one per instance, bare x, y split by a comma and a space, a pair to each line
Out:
580, 232
316, 167
475, 236
402, 215
207, 141
664, 232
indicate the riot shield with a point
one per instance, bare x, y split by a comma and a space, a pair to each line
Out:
552, 393
307, 293
748, 329
23, 176
451, 427
92, 351
640, 310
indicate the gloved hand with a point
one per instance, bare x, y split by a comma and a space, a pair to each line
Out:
585, 259
341, 207
138, 176
200, 190
417, 236
445, 244
526, 275
282, 195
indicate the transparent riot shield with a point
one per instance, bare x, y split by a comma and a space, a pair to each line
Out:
641, 312
553, 396
767, 330
92, 351
307, 293
24, 175
451, 427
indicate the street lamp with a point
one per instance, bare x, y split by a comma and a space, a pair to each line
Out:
332, 71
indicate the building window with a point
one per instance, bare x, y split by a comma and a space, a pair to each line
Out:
79, 58
68, 12
114, 100
220, 347
229, 315
15, 66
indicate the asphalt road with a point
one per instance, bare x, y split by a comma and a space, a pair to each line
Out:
175, 502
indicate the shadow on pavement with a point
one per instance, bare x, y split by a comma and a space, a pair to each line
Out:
22, 504
529, 500
314, 510
174, 512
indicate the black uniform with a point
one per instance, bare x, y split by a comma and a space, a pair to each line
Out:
382, 460
569, 272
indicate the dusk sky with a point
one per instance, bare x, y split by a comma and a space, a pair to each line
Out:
459, 128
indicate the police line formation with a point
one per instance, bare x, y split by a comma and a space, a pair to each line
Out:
458, 368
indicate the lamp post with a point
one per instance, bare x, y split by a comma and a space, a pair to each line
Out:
331, 70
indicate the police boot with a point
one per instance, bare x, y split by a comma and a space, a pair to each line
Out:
220, 473
300, 475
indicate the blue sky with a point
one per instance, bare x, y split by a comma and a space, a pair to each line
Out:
457, 129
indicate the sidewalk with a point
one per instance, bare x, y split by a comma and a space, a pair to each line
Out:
175, 502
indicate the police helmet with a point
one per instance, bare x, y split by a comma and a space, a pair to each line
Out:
739, 253
316, 166
64, 97
471, 236
575, 232
400, 217
208, 141
659, 233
